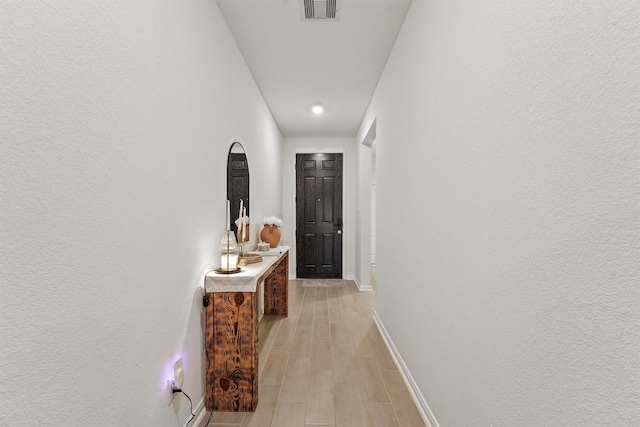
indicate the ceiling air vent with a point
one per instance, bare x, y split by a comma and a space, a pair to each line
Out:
320, 9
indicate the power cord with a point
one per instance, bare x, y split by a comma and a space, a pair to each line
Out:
209, 419
179, 390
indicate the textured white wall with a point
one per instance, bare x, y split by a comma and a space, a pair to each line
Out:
508, 163
115, 122
350, 166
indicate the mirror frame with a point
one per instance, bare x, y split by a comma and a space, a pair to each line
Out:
237, 181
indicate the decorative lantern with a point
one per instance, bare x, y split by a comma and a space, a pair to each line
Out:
228, 252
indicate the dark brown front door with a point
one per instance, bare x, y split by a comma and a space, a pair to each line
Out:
319, 215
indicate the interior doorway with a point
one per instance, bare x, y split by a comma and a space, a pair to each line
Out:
367, 207
373, 205
319, 215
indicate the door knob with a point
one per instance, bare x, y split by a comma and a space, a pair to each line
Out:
339, 231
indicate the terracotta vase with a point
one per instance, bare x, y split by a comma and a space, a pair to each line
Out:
271, 235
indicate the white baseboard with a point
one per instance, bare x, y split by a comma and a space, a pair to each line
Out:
361, 287
200, 413
424, 409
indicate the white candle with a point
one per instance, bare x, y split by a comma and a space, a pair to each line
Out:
244, 212
228, 213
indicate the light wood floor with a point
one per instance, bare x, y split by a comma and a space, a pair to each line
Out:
326, 364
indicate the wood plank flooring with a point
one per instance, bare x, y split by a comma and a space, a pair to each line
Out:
325, 365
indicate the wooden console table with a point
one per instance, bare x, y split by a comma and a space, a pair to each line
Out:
231, 329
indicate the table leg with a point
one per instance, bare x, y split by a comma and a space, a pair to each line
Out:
232, 352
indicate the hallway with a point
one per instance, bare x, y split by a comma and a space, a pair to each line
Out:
326, 364
503, 139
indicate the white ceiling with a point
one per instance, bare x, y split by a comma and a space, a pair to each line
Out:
297, 63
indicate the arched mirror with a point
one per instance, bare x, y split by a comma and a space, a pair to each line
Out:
237, 183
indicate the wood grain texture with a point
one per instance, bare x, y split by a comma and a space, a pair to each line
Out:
276, 289
232, 352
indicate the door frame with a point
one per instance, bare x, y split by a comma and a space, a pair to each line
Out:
345, 204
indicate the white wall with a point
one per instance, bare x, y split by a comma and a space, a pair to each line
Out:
364, 217
115, 122
347, 146
508, 162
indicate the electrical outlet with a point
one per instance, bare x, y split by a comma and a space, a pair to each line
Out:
172, 384
178, 375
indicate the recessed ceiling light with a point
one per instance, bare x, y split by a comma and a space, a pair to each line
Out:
317, 109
